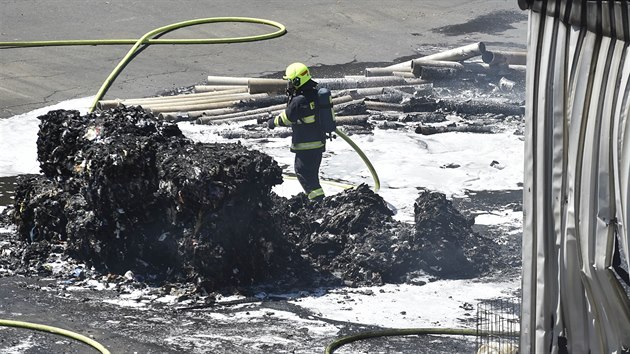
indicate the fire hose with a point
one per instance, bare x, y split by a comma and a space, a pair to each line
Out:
55, 330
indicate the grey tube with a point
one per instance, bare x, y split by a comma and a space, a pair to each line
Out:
423, 89
227, 80
504, 57
360, 119
369, 72
455, 54
418, 65
177, 116
382, 106
270, 86
213, 88
241, 117
404, 74
105, 104
208, 119
199, 100
363, 82
245, 117
205, 119
195, 106
215, 98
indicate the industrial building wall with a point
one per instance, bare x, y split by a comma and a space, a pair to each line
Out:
577, 165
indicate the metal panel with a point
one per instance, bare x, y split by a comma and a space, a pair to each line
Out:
577, 164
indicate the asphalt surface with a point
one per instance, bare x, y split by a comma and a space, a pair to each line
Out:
319, 33
344, 35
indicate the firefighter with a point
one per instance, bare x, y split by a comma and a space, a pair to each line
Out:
308, 141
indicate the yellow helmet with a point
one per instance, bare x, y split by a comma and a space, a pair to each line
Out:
298, 74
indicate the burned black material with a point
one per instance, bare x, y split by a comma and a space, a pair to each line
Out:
449, 247
124, 191
129, 192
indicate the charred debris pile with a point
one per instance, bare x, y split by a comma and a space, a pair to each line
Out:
124, 191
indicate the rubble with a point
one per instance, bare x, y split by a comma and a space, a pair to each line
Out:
126, 193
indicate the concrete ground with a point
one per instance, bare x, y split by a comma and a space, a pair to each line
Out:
350, 35
319, 33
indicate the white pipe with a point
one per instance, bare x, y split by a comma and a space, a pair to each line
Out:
227, 80
217, 88
455, 54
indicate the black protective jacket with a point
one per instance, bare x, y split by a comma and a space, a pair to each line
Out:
300, 116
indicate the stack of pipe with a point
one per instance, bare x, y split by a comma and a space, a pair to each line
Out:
224, 99
448, 63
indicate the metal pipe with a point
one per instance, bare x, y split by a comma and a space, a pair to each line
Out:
178, 116
213, 88
187, 108
383, 106
221, 120
245, 117
105, 104
519, 68
455, 54
237, 109
353, 107
418, 65
369, 72
360, 119
270, 86
194, 106
205, 119
426, 88
202, 100
504, 57
362, 82
227, 80
404, 74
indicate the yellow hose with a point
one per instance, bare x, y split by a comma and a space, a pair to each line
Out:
377, 182
55, 330
407, 332
148, 39
281, 30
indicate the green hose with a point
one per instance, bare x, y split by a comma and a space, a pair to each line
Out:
407, 332
148, 39
377, 182
329, 182
55, 330
281, 30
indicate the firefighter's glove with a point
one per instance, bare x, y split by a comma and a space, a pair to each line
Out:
269, 124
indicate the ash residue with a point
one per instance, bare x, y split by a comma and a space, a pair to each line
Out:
122, 191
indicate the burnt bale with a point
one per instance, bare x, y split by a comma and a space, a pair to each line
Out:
216, 196
342, 236
353, 238
448, 247
133, 193
39, 208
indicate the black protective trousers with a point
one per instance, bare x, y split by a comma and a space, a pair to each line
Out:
307, 168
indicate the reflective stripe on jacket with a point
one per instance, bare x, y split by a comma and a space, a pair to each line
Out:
300, 116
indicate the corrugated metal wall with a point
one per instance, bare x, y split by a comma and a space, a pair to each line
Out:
577, 165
